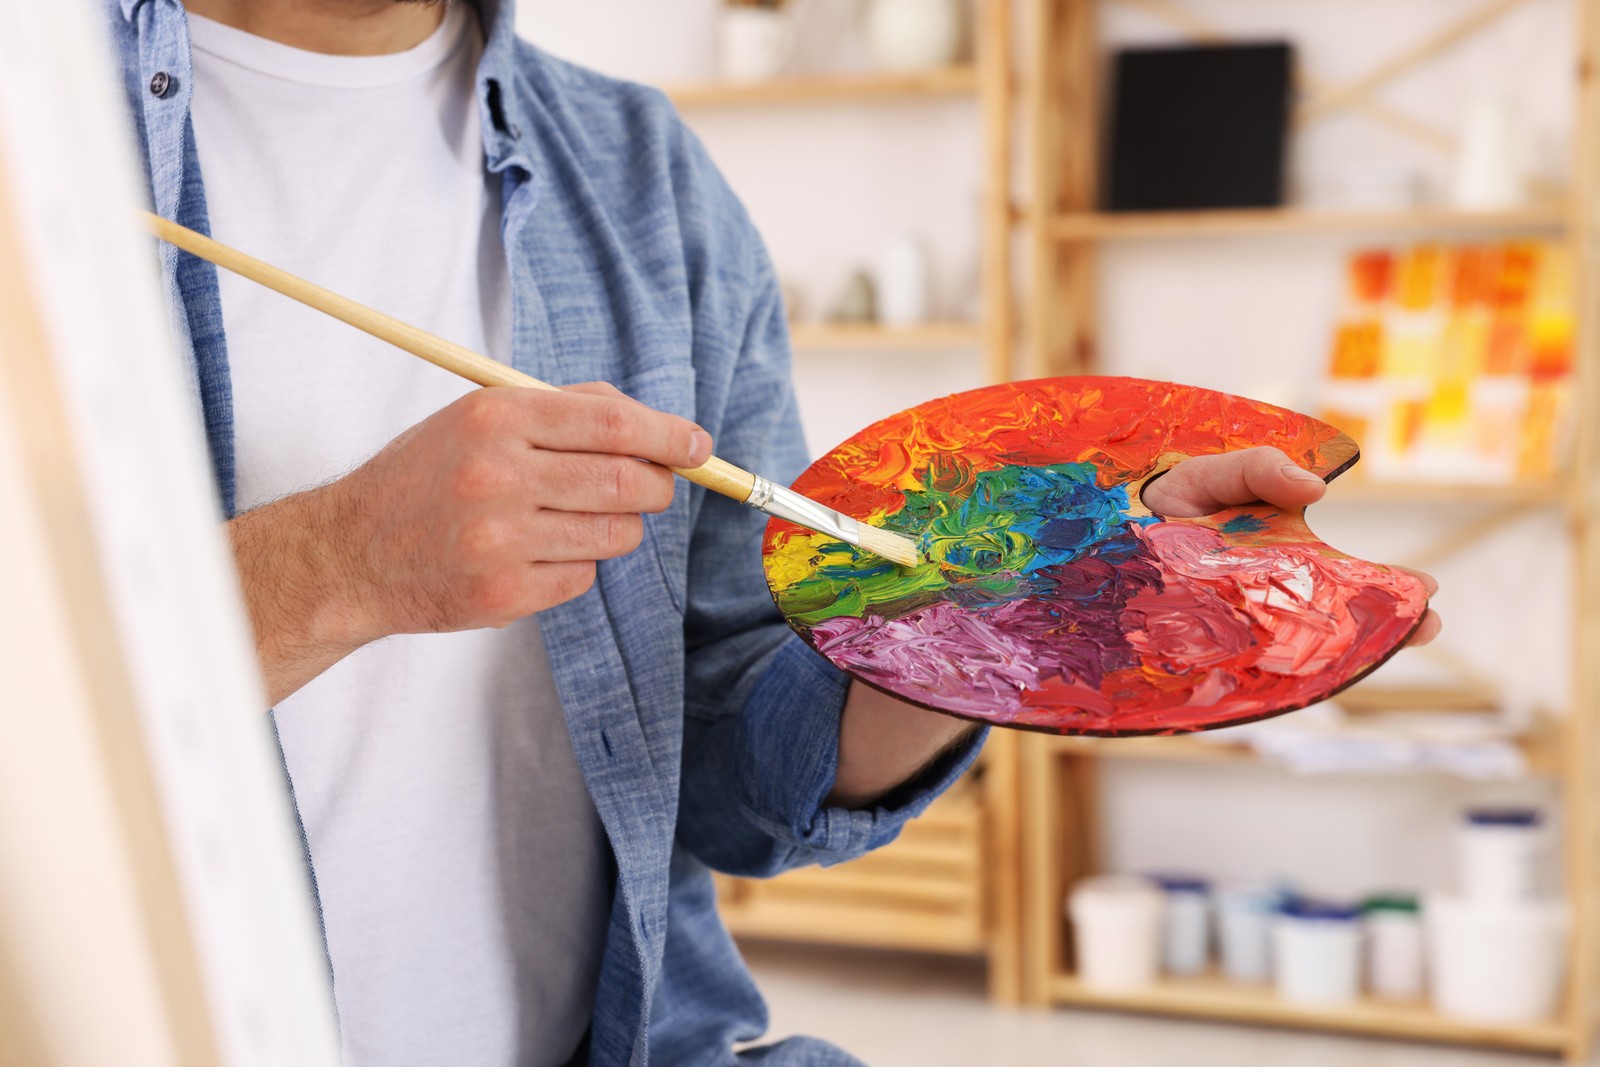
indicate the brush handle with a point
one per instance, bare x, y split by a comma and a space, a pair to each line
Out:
715, 474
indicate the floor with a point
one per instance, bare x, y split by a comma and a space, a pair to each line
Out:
898, 1011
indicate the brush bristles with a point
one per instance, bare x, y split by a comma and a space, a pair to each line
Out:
891, 546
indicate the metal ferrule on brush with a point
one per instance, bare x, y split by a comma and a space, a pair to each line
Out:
787, 504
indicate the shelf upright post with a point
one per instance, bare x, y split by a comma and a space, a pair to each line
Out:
996, 85
1581, 773
1058, 798
1065, 120
1001, 808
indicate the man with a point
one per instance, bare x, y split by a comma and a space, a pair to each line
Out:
528, 688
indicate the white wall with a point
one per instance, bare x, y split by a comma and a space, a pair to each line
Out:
829, 184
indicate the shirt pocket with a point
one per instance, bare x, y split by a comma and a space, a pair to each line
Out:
668, 386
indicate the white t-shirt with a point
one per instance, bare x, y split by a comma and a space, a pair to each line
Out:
463, 873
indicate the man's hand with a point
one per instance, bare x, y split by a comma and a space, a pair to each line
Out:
884, 742
492, 509
1205, 484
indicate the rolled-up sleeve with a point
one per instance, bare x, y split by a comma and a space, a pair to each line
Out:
761, 733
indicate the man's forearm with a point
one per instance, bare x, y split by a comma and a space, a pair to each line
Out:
294, 589
884, 743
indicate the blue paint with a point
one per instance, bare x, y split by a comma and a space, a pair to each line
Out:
1020, 519
1243, 524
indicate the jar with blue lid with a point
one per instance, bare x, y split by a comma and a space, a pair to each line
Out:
1503, 855
1317, 952
1185, 923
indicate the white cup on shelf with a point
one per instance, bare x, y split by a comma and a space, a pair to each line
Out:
1496, 961
1116, 925
753, 44
1393, 924
913, 34
1492, 164
904, 284
1244, 916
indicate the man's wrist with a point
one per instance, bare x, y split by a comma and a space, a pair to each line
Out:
299, 569
886, 744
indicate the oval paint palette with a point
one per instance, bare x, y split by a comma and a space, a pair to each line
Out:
1049, 597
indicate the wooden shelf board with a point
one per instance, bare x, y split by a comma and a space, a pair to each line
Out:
815, 923
1182, 749
1540, 747
1212, 997
807, 89
1105, 225
875, 338
1359, 490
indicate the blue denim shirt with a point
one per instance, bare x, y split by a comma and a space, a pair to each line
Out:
706, 731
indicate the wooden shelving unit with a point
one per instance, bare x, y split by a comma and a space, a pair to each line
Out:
1113, 226
844, 88
875, 338
1351, 488
1064, 232
924, 892
949, 884
1210, 997
1540, 747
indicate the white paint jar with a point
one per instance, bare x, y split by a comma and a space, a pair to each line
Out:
1244, 915
1503, 855
753, 44
914, 34
903, 284
1317, 953
1185, 923
1497, 962
1116, 926
1490, 165
1393, 925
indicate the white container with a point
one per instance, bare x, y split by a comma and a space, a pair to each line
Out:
1394, 947
903, 286
1491, 168
1317, 954
1185, 924
1116, 924
1503, 856
914, 34
753, 44
1244, 931
1496, 963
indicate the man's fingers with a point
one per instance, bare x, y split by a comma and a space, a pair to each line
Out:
1427, 580
1206, 484
584, 482
1427, 630
593, 418
565, 536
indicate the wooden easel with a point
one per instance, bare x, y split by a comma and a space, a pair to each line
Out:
154, 907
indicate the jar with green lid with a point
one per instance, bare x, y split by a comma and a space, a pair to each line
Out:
1394, 945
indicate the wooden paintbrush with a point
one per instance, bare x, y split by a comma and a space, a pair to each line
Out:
715, 474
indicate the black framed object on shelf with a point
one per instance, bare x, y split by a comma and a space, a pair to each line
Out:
1196, 127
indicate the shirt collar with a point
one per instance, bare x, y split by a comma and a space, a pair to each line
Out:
504, 121
498, 104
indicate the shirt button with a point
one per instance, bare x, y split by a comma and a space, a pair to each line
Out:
160, 84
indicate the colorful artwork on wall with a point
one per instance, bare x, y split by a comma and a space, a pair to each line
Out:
1050, 598
1454, 363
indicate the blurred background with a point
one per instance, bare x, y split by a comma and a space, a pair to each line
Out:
1370, 210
